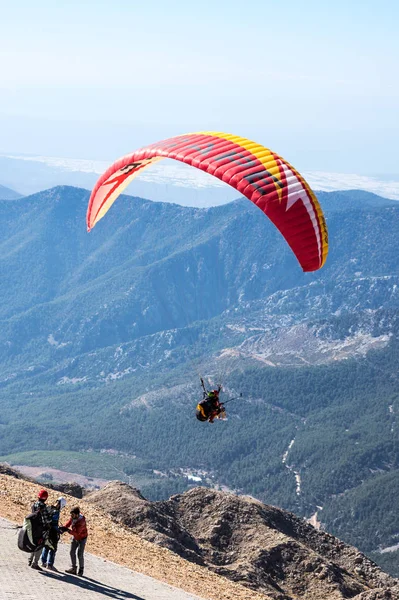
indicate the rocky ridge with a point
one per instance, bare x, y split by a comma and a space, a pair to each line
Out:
70, 488
262, 547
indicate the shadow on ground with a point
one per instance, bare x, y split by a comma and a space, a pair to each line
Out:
94, 586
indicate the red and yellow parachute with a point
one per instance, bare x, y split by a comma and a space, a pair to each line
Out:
262, 176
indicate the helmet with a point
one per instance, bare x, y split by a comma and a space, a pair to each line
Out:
62, 502
43, 495
216, 392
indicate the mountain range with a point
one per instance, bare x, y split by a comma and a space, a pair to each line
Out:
7, 193
115, 326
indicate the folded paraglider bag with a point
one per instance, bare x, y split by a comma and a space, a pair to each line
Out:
31, 536
24, 542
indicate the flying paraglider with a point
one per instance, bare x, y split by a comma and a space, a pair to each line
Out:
259, 174
210, 407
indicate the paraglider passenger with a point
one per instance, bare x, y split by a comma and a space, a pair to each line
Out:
45, 514
76, 527
50, 546
210, 407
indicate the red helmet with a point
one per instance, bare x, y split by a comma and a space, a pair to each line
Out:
216, 392
43, 495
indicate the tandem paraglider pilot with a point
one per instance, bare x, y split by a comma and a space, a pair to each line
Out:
210, 407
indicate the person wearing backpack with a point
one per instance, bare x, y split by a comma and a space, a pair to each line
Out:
44, 511
50, 546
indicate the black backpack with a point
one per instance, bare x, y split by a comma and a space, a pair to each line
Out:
32, 535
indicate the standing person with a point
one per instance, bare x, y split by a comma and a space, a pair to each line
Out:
76, 527
50, 546
45, 514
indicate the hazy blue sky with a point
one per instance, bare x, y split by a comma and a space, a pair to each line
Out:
316, 81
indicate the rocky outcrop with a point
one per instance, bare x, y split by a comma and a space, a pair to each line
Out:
5, 469
70, 488
260, 546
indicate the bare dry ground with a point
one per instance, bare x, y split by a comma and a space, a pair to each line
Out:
116, 543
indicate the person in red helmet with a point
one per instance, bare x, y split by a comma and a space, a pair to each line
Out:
210, 407
46, 517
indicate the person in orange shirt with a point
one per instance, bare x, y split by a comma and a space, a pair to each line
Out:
77, 528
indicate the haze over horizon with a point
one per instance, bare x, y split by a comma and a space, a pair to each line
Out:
314, 84
167, 181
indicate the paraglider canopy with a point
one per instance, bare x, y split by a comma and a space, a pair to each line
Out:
261, 175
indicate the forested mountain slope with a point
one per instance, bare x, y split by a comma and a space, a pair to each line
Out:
113, 327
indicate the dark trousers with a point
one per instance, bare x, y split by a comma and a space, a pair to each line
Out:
80, 547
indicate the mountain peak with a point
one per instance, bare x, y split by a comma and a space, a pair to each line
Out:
262, 547
7, 193
353, 200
